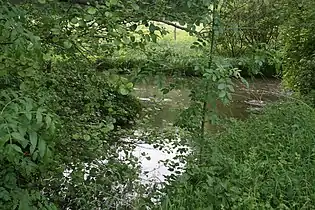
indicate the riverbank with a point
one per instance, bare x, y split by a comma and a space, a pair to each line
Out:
264, 162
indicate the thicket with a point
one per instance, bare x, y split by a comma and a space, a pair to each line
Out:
61, 119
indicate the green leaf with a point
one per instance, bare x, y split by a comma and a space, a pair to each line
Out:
151, 28
123, 90
214, 77
28, 116
126, 40
110, 126
25, 202
42, 1
28, 105
182, 23
48, 121
39, 116
189, 4
133, 27
108, 14
147, 37
229, 96
3, 72
16, 148
113, 2
41, 147
4, 194
17, 136
91, 10
76, 136
74, 20
33, 139
88, 17
231, 88
86, 137
4, 139
154, 37
48, 153
67, 44
221, 86
245, 82
222, 94
47, 57
129, 85
135, 6
35, 155
55, 31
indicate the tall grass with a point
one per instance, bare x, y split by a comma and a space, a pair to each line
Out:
265, 162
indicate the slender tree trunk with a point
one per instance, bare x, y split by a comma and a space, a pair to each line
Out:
205, 102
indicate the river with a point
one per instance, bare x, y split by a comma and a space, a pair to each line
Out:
164, 109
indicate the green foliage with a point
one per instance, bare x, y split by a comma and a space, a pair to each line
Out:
63, 112
246, 25
179, 58
49, 75
92, 107
260, 62
26, 133
299, 39
266, 162
160, 58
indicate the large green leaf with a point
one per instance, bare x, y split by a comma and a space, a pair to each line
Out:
33, 139
16, 148
42, 147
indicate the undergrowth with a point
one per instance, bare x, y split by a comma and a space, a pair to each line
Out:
265, 162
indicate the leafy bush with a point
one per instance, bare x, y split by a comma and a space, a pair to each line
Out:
93, 107
256, 65
26, 139
298, 36
265, 162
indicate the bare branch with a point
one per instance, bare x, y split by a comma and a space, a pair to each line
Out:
175, 25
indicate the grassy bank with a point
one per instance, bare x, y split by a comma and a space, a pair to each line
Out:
173, 55
265, 162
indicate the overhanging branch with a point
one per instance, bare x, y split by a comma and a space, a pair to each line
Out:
176, 26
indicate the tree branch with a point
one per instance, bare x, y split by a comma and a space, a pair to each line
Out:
175, 25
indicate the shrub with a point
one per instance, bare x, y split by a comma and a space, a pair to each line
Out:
91, 108
26, 139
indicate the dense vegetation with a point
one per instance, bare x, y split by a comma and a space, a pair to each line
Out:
67, 73
265, 162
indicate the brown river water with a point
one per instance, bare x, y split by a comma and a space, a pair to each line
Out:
245, 100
